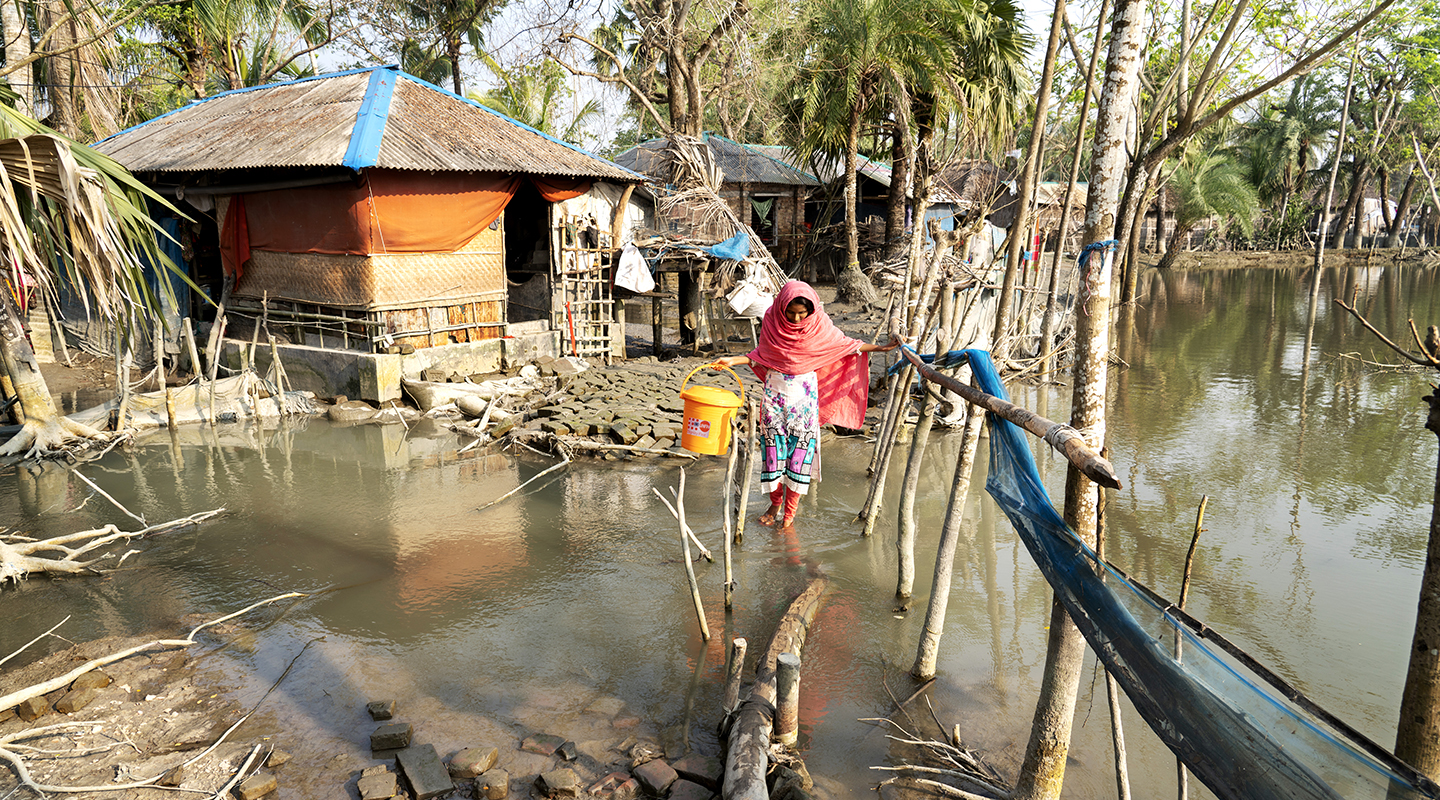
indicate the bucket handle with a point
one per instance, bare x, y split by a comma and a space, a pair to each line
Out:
716, 367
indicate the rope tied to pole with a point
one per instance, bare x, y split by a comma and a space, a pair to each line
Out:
1084, 259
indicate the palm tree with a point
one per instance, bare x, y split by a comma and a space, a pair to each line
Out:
68, 215
1211, 185
534, 95
426, 62
455, 22
859, 55
1280, 146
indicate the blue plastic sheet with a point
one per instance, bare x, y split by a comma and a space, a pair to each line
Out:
736, 248
1235, 733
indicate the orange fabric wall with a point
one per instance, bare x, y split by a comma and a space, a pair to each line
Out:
413, 212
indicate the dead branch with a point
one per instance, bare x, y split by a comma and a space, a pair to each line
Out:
1428, 361
18, 554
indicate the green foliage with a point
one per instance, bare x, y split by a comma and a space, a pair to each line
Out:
1214, 185
1281, 146
535, 95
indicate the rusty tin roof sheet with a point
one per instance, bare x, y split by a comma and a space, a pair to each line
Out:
377, 117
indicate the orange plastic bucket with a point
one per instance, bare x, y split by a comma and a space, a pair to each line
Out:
708, 411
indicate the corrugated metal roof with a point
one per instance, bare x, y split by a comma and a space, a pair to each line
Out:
313, 123
740, 163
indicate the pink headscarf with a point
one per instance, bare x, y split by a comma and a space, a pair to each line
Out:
815, 345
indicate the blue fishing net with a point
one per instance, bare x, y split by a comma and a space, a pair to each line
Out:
1238, 728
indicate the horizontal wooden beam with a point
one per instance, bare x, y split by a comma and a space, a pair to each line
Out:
1063, 438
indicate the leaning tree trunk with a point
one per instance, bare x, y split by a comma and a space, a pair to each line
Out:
1043, 770
1417, 738
1181, 231
45, 429
1402, 209
901, 174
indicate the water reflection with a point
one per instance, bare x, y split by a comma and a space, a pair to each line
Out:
514, 617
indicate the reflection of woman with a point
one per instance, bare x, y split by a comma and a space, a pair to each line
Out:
814, 375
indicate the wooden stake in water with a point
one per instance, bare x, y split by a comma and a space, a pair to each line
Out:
752, 444
689, 568
729, 493
1182, 775
787, 698
734, 666
217, 335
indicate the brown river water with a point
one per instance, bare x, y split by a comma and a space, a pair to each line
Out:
508, 619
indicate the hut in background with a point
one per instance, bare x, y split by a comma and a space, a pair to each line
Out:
368, 212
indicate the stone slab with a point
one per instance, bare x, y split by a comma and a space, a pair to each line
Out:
392, 736
380, 710
615, 786
544, 744
94, 679
493, 785
33, 708
256, 786
75, 700
656, 776
558, 783
377, 787
704, 770
422, 767
473, 762
687, 790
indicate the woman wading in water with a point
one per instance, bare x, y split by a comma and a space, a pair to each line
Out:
814, 375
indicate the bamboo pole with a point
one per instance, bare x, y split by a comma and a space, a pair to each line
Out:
734, 668
170, 407
787, 698
1182, 775
689, 568
217, 335
690, 534
752, 444
928, 650
1058, 435
157, 348
122, 379
196, 368
729, 494
1047, 322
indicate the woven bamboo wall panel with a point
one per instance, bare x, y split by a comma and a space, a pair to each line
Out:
385, 280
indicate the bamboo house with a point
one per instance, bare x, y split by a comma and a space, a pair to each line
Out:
387, 226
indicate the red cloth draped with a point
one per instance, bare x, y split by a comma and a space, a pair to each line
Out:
235, 238
815, 345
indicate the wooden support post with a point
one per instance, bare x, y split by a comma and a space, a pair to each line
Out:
195, 368
690, 568
752, 445
734, 667
691, 310
217, 335
657, 330
123, 380
787, 698
729, 492
170, 407
157, 348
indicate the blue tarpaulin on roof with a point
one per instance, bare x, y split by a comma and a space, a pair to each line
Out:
736, 248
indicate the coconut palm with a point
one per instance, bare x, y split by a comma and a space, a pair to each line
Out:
71, 216
534, 95
1211, 185
455, 22
859, 55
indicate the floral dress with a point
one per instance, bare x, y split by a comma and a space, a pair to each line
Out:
790, 427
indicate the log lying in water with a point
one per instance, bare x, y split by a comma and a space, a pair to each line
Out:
749, 743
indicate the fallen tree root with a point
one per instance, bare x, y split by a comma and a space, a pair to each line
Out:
18, 553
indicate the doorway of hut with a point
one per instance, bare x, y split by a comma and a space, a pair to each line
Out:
526, 222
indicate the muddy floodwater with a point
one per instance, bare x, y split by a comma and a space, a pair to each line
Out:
510, 619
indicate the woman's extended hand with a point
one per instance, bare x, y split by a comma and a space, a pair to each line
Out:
731, 361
